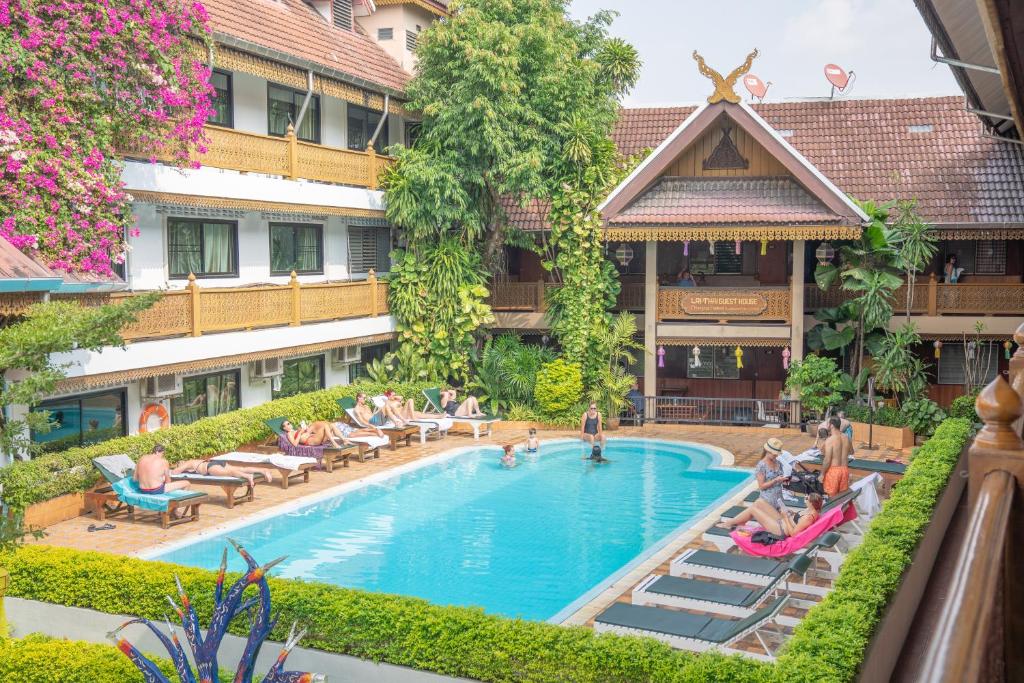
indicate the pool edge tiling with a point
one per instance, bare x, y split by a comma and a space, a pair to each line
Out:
366, 533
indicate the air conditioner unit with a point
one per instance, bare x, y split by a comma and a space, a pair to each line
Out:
267, 368
161, 386
346, 355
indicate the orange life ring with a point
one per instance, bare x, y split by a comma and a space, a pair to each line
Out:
150, 410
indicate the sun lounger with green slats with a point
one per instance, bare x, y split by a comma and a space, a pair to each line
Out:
433, 405
687, 631
757, 571
394, 434
123, 494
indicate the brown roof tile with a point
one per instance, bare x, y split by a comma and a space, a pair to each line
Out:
16, 265
293, 27
725, 201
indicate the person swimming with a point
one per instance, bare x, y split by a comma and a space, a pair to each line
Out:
596, 457
508, 459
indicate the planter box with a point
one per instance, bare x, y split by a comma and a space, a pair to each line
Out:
50, 512
893, 437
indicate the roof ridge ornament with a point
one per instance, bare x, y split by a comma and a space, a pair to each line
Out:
724, 87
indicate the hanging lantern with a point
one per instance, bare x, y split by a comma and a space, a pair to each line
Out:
624, 255
938, 348
739, 358
786, 355
686, 247
711, 246
764, 247
1007, 347
824, 253
971, 346
739, 247
696, 357
661, 356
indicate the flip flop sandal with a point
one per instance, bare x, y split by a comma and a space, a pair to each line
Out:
105, 527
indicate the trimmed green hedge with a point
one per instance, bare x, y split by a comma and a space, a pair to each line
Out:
454, 641
49, 476
38, 659
831, 642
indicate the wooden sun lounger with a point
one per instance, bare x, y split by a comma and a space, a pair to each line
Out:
229, 485
285, 474
104, 502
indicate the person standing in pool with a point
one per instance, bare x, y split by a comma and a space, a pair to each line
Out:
508, 458
596, 457
590, 426
532, 443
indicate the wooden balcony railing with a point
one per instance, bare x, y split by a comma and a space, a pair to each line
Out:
529, 296
289, 157
933, 298
724, 303
196, 310
981, 627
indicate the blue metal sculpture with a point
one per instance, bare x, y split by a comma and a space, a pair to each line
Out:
227, 606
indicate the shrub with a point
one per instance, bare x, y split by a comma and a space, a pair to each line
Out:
923, 416
818, 381
49, 476
38, 659
963, 407
559, 390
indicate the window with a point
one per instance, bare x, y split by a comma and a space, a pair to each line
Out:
206, 396
981, 257
301, 375
412, 132
411, 37
362, 122
385, 33
718, 362
369, 248
205, 248
341, 13
953, 360
296, 247
223, 110
82, 420
367, 354
283, 107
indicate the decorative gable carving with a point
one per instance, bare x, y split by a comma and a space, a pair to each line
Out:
725, 155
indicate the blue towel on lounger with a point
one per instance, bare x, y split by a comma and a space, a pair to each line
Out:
128, 491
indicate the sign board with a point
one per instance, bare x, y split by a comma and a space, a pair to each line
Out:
724, 304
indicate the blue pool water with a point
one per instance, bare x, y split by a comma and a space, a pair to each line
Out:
526, 542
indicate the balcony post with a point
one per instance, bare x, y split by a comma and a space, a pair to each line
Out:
372, 280
541, 304
651, 327
193, 289
372, 162
933, 295
296, 299
1017, 372
796, 302
293, 152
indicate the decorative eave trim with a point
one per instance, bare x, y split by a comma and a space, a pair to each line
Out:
954, 337
980, 233
431, 7
193, 201
78, 384
742, 342
15, 303
732, 233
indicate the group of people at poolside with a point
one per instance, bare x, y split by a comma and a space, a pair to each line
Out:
591, 432
153, 472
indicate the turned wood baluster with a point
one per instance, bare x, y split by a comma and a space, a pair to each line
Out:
1017, 372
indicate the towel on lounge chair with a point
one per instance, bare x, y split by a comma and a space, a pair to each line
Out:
868, 503
285, 462
788, 460
127, 490
828, 520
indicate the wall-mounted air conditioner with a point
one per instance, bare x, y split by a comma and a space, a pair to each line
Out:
162, 386
268, 368
345, 355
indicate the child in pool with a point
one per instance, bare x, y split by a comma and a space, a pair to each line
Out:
595, 455
532, 443
509, 457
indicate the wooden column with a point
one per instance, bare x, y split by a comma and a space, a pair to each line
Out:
796, 296
293, 152
193, 288
541, 304
371, 160
372, 279
651, 325
296, 317
933, 295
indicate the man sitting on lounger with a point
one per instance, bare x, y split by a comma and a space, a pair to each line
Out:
219, 469
451, 406
779, 521
153, 473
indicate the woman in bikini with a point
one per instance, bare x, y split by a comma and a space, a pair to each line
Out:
317, 433
217, 469
451, 406
779, 521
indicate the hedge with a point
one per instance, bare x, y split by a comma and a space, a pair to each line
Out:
52, 475
38, 659
454, 641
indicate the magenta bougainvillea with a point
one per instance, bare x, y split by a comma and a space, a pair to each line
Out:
79, 81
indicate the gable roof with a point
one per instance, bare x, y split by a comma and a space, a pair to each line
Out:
868, 149
22, 273
292, 27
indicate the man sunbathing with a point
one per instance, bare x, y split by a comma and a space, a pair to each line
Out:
778, 521
219, 469
153, 473
451, 406
404, 409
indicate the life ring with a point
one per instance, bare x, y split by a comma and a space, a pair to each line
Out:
154, 409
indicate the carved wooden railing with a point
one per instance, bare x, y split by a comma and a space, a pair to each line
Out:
289, 157
631, 297
196, 310
933, 298
529, 296
980, 631
724, 303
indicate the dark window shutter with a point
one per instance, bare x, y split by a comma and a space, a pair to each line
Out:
342, 13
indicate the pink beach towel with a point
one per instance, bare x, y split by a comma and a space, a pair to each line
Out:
826, 522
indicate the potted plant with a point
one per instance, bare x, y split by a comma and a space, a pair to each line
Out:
610, 394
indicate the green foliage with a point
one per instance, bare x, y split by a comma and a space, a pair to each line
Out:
13, 534
619, 346
401, 366
915, 242
898, 370
963, 407
38, 659
453, 641
506, 371
885, 416
52, 475
559, 390
818, 381
830, 642
922, 415
27, 345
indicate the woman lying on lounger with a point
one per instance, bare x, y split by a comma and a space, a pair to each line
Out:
781, 521
451, 406
401, 410
321, 433
217, 469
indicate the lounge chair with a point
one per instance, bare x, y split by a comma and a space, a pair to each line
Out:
288, 466
366, 447
438, 425
687, 631
721, 538
123, 494
433, 405
394, 434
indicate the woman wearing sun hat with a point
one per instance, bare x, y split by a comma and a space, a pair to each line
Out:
770, 476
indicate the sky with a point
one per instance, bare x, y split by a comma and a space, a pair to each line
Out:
885, 42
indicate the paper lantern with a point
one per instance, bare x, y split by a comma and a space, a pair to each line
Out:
686, 247
739, 247
624, 255
1007, 347
764, 247
711, 246
786, 355
661, 356
739, 358
824, 253
696, 356
938, 348
971, 346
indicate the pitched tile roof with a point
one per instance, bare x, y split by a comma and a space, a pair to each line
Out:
532, 217
725, 201
14, 264
293, 27
868, 149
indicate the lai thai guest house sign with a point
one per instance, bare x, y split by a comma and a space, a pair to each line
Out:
723, 303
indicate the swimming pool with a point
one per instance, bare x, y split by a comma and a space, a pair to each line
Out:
535, 541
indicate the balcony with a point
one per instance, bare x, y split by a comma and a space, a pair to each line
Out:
932, 298
288, 157
528, 297
723, 304
195, 311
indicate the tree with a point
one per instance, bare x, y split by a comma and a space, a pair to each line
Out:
27, 348
898, 370
818, 382
915, 243
80, 80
